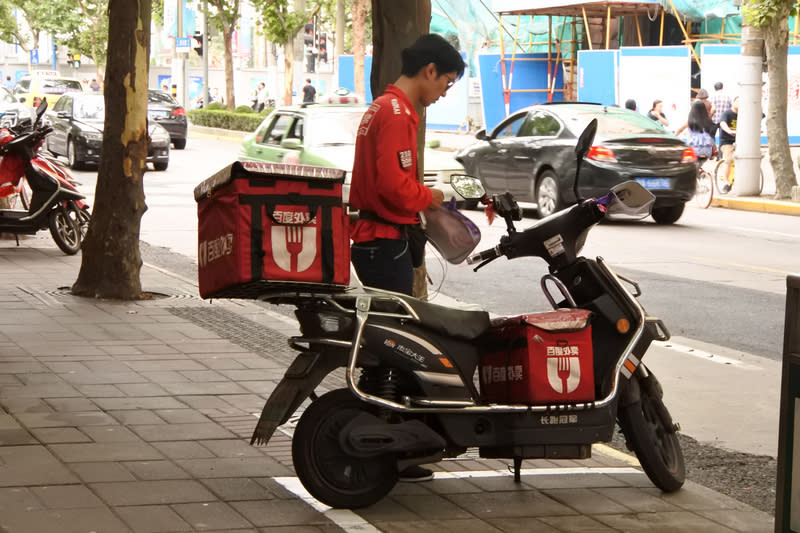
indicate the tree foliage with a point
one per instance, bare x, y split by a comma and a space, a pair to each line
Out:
39, 17
88, 36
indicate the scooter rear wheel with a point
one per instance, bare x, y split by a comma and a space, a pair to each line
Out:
65, 229
644, 424
326, 470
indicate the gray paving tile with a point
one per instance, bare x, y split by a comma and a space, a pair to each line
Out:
576, 524
213, 387
114, 433
517, 525
14, 499
117, 451
510, 504
64, 521
694, 497
72, 404
667, 522
152, 519
155, 470
165, 377
59, 435
136, 417
213, 515
47, 390
31, 465
639, 500
748, 520
279, 513
238, 489
471, 525
100, 391
587, 501
232, 448
66, 496
142, 389
182, 416
431, 507
65, 419
234, 467
152, 492
173, 432
101, 472
154, 402
183, 450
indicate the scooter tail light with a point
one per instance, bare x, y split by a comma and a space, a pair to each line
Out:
37, 102
601, 153
178, 112
688, 156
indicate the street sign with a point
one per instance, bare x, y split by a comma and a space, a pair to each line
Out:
34, 57
183, 44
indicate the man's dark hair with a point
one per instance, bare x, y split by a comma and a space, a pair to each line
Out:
630, 103
718, 85
432, 48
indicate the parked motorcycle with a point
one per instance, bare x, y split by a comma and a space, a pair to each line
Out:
54, 203
411, 396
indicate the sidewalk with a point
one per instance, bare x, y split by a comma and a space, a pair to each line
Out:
136, 416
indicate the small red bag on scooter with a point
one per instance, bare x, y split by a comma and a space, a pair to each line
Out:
540, 358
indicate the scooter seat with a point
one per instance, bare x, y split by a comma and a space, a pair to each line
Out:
460, 323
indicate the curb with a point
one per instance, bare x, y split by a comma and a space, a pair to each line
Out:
758, 204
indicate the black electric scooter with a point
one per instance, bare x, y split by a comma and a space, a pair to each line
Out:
55, 202
410, 367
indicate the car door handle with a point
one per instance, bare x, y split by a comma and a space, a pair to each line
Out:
280, 156
502, 151
522, 157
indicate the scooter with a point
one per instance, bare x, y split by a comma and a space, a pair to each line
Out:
55, 202
410, 368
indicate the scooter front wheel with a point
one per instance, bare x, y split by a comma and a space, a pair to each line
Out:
326, 470
65, 228
651, 434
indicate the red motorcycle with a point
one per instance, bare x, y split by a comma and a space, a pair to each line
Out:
54, 202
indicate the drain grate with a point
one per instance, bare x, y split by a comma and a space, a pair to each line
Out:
249, 335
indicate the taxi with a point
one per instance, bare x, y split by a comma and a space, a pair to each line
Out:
32, 88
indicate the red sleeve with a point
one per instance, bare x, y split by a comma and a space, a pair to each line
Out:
396, 162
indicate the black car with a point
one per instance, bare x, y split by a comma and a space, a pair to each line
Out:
14, 114
77, 120
163, 109
531, 154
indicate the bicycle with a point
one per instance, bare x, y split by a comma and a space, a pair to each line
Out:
704, 188
724, 180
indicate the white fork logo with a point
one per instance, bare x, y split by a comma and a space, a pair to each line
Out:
563, 373
294, 247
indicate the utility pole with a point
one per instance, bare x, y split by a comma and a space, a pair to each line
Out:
206, 88
748, 123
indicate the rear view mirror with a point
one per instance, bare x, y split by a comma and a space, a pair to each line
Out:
292, 143
481, 135
469, 187
586, 139
631, 200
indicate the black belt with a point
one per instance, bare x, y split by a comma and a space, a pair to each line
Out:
372, 216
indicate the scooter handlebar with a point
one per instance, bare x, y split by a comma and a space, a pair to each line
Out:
480, 257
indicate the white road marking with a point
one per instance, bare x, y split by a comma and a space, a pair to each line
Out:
707, 356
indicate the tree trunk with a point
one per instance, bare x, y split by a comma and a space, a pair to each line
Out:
229, 93
288, 70
341, 27
359, 46
776, 42
111, 262
396, 25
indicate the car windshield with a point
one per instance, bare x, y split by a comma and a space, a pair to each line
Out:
89, 108
58, 86
614, 123
158, 97
335, 128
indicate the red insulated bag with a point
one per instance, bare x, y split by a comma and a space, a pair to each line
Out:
263, 226
541, 358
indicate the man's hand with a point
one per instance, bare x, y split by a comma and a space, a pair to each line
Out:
437, 197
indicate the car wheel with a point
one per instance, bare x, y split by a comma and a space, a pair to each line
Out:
72, 156
161, 165
668, 214
548, 199
180, 144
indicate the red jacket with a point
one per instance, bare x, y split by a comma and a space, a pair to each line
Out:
384, 177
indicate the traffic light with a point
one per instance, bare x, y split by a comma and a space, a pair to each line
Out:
74, 60
323, 47
308, 36
199, 38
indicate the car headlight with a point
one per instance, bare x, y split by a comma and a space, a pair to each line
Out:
92, 135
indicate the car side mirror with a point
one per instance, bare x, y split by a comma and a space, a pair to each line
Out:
21, 99
62, 114
292, 143
481, 135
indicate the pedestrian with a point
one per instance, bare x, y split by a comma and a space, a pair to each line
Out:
261, 97
165, 87
657, 113
94, 86
702, 95
385, 187
700, 129
630, 103
309, 92
727, 136
721, 103
216, 96
8, 84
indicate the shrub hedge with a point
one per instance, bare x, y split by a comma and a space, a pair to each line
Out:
229, 120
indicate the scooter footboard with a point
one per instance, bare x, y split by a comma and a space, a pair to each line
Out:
531, 430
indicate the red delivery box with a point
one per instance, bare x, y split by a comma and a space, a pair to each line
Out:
263, 226
541, 358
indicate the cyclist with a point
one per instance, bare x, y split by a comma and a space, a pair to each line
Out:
727, 137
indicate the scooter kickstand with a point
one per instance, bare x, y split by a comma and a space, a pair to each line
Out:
517, 466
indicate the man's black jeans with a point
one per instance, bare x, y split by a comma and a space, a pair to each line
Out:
384, 264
